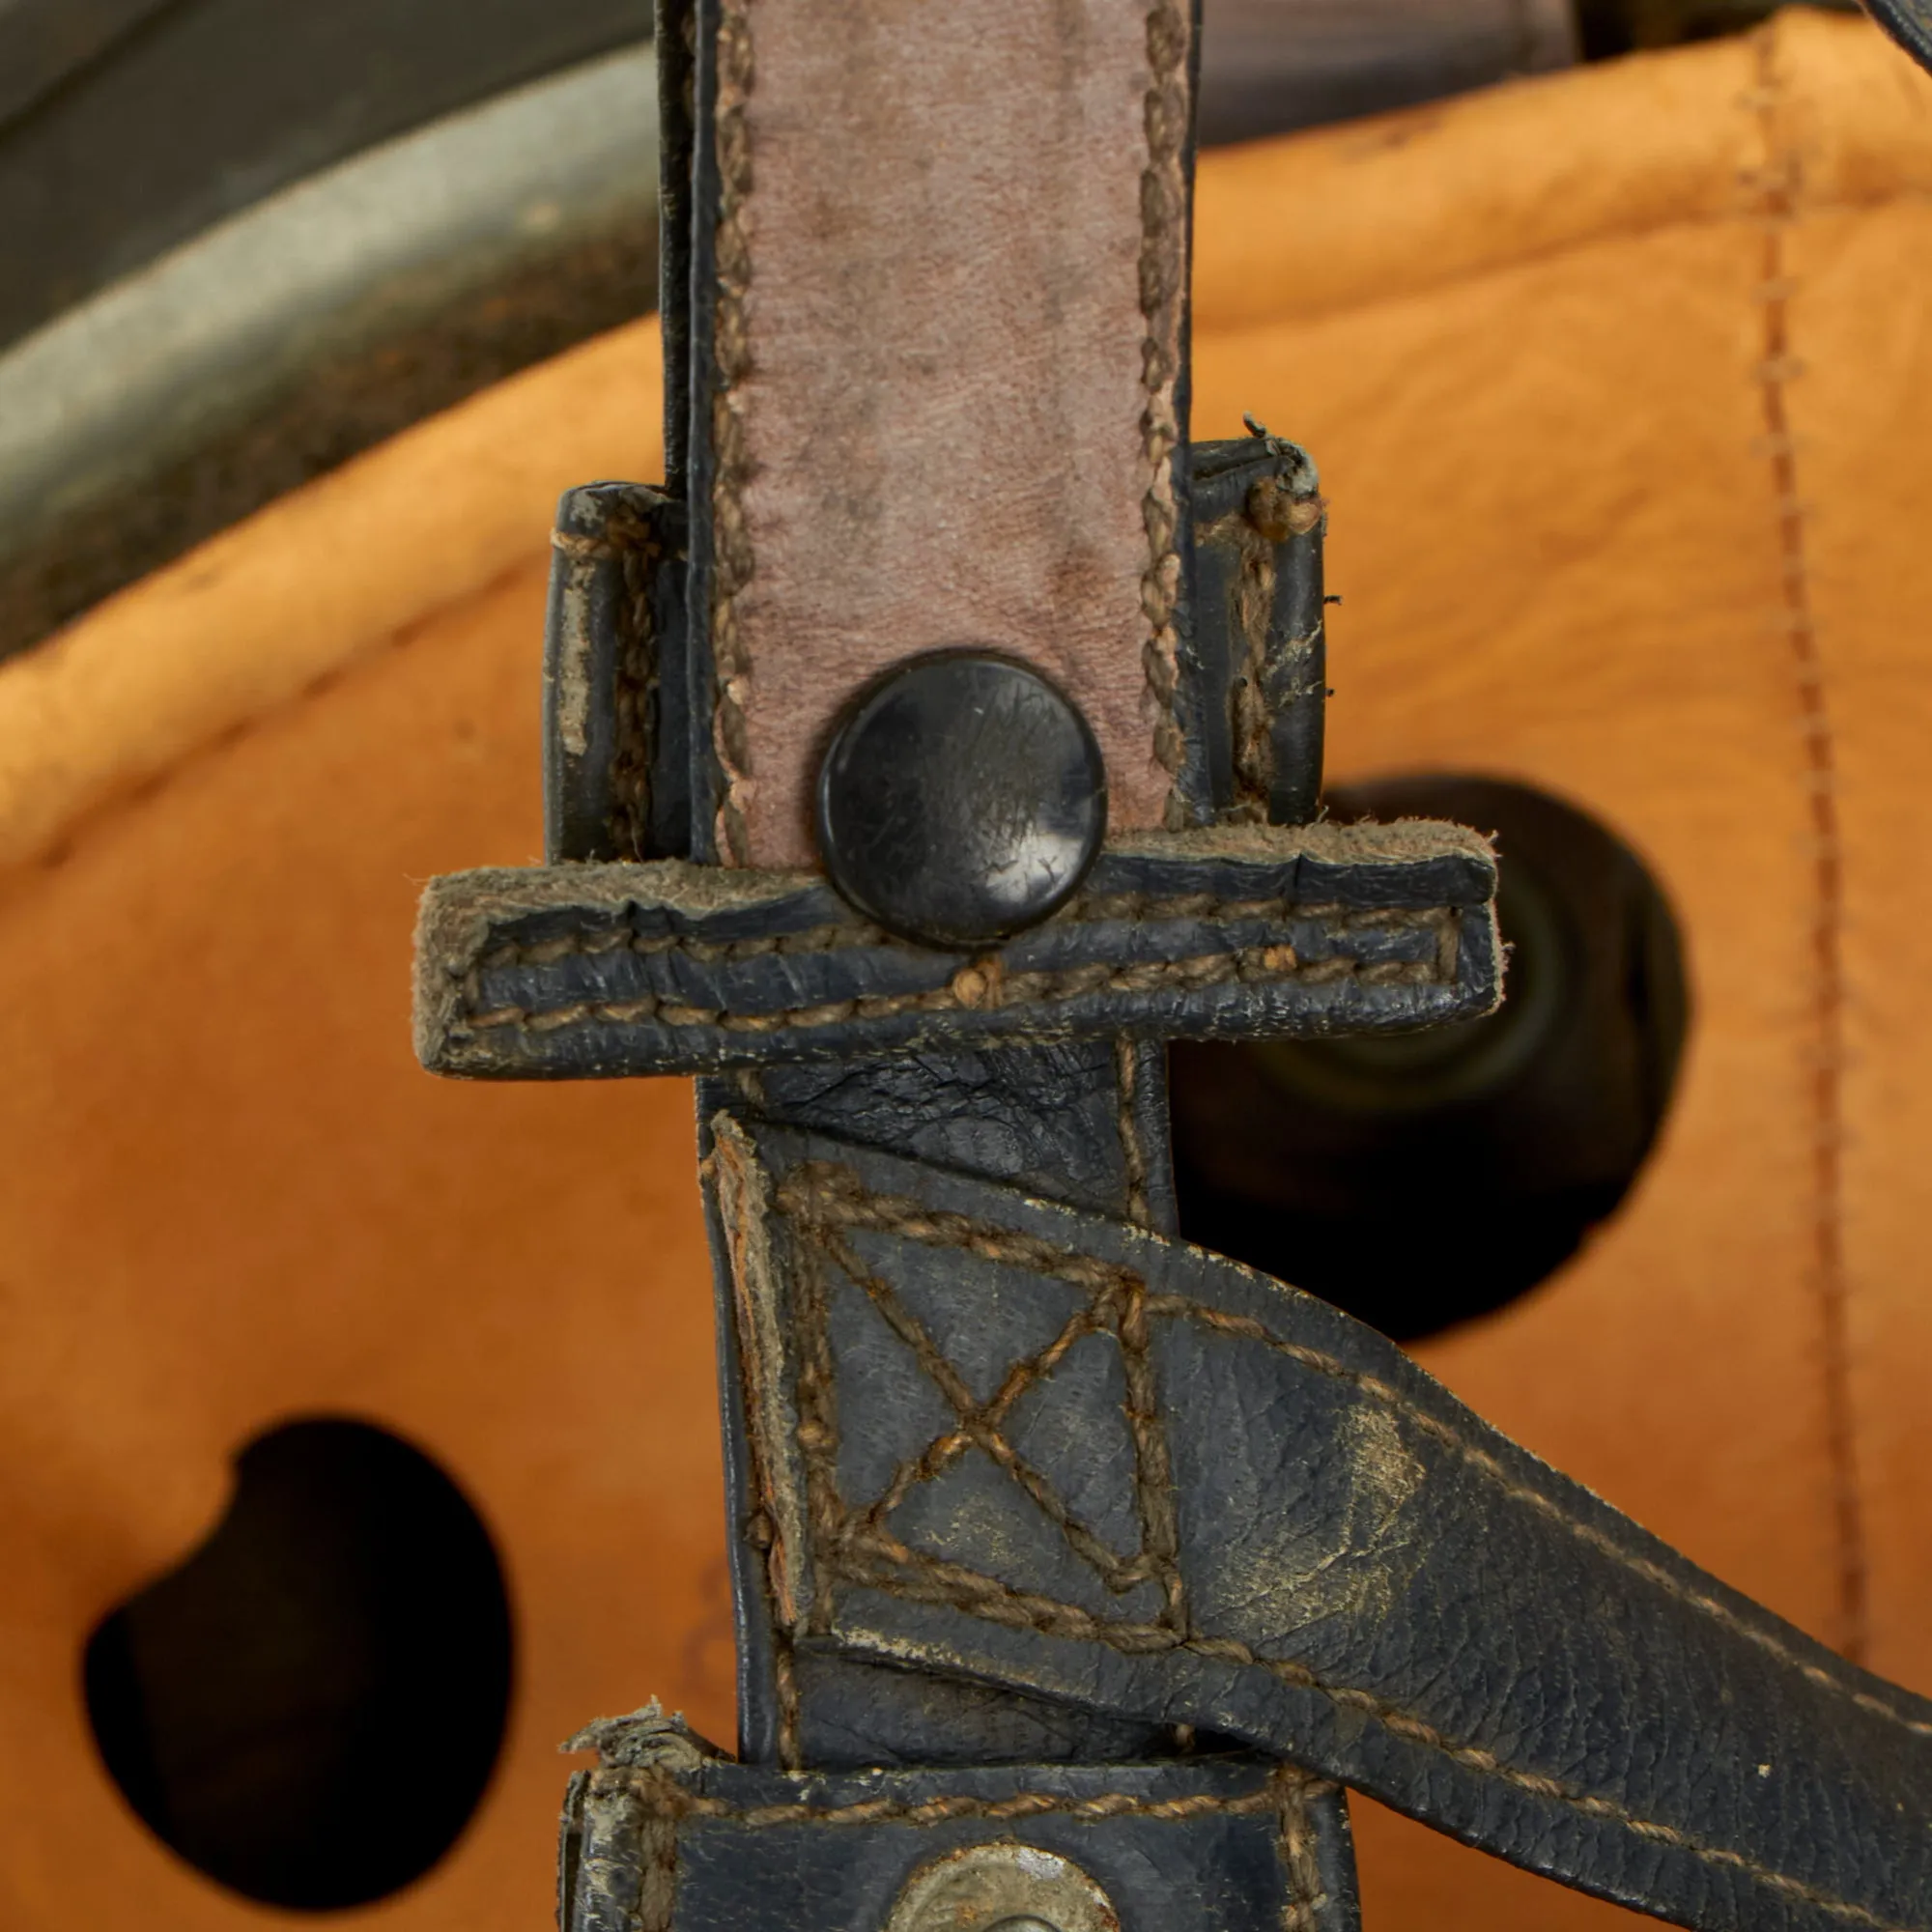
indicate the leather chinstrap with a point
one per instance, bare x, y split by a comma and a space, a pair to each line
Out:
1006, 1441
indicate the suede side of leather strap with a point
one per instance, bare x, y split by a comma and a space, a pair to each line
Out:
942, 257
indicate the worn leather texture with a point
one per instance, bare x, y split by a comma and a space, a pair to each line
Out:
1227, 1845
576, 971
625, 672
616, 721
1102, 1147
1000, 1439
941, 275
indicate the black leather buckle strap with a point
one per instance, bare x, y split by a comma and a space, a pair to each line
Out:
1229, 932
1234, 1845
1001, 1440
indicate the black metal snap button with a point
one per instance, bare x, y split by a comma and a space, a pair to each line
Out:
962, 799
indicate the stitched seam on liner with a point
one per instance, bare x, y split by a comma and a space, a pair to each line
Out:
683, 1803
732, 559
1777, 192
1162, 293
1252, 966
1463, 274
823, 1190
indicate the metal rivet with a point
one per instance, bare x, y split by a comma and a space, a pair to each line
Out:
1002, 1888
961, 799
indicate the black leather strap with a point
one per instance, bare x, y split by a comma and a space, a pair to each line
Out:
1227, 1845
1909, 22
1228, 1505
573, 971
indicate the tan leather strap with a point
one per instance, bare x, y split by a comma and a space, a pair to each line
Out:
944, 371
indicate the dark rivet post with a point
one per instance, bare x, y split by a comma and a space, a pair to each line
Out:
961, 799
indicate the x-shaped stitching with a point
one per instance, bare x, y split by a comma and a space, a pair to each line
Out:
1116, 1305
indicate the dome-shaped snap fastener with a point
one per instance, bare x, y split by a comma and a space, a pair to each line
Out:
962, 798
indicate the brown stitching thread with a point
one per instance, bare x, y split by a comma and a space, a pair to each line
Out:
1253, 606
1141, 907
974, 986
1248, 965
635, 696
1116, 1572
1780, 186
1268, 517
1153, 1477
1133, 1156
681, 1802
657, 1874
740, 1184
879, 1561
940, 1454
1162, 290
1306, 1896
732, 559
1159, 1553
825, 1192
836, 935
898, 1570
817, 1416
784, 1685
595, 944
1114, 1300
